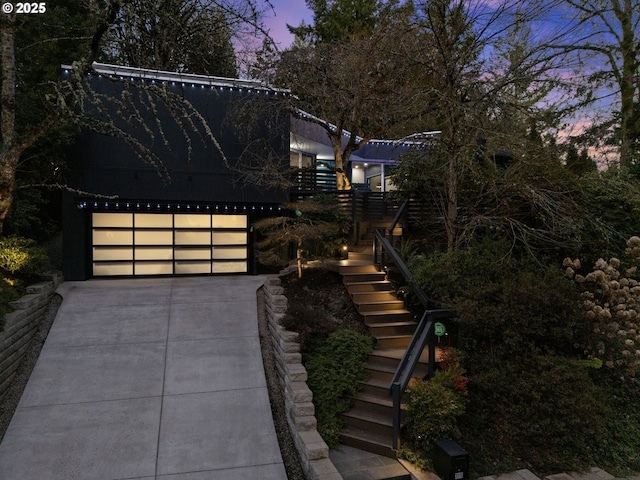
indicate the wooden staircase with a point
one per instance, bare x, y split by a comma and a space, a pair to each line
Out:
368, 425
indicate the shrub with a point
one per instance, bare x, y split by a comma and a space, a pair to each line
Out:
507, 306
533, 401
434, 406
22, 256
312, 324
544, 413
334, 369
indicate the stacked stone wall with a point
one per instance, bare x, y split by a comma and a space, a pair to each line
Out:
21, 325
314, 452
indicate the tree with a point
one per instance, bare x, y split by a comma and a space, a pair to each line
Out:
608, 32
338, 20
173, 35
27, 114
357, 83
33, 104
320, 221
489, 79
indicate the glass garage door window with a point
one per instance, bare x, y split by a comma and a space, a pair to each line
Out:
134, 244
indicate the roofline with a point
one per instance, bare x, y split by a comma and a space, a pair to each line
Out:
413, 139
162, 76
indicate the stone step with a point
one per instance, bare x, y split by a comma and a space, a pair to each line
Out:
354, 463
593, 474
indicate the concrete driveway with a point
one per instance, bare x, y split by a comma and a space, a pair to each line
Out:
148, 379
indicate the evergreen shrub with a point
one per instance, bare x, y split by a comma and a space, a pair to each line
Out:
334, 369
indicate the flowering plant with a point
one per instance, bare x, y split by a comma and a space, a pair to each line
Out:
612, 304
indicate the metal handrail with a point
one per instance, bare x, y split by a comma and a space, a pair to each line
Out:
423, 335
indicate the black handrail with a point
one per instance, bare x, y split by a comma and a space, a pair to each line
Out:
423, 335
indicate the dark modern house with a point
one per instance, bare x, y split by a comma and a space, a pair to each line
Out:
163, 197
188, 215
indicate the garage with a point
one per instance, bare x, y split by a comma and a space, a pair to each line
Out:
139, 244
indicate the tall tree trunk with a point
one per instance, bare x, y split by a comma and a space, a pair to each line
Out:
628, 81
452, 201
9, 154
342, 181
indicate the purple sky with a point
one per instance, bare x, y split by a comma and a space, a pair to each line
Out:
290, 12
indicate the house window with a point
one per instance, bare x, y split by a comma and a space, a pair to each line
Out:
300, 160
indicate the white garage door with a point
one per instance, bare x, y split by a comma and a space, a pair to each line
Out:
168, 243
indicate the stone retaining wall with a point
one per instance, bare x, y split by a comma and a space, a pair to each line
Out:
21, 324
314, 452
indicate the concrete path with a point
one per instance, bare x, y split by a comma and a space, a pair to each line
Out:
148, 379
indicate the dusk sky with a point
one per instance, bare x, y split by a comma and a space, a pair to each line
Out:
290, 12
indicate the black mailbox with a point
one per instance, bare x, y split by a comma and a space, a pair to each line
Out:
450, 460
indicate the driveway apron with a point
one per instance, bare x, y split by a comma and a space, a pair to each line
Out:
156, 378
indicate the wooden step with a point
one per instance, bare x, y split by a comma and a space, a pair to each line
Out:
386, 316
351, 268
381, 329
376, 385
382, 306
365, 420
363, 277
358, 438
366, 297
393, 341
375, 405
388, 360
365, 256
361, 287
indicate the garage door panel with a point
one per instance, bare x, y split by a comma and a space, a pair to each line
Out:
230, 267
113, 253
128, 244
153, 220
112, 237
229, 221
113, 268
195, 220
154, 253
192, 237
193, 253
185, 267
154, 268
234, 253
153, 237
119, 220
229, 238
